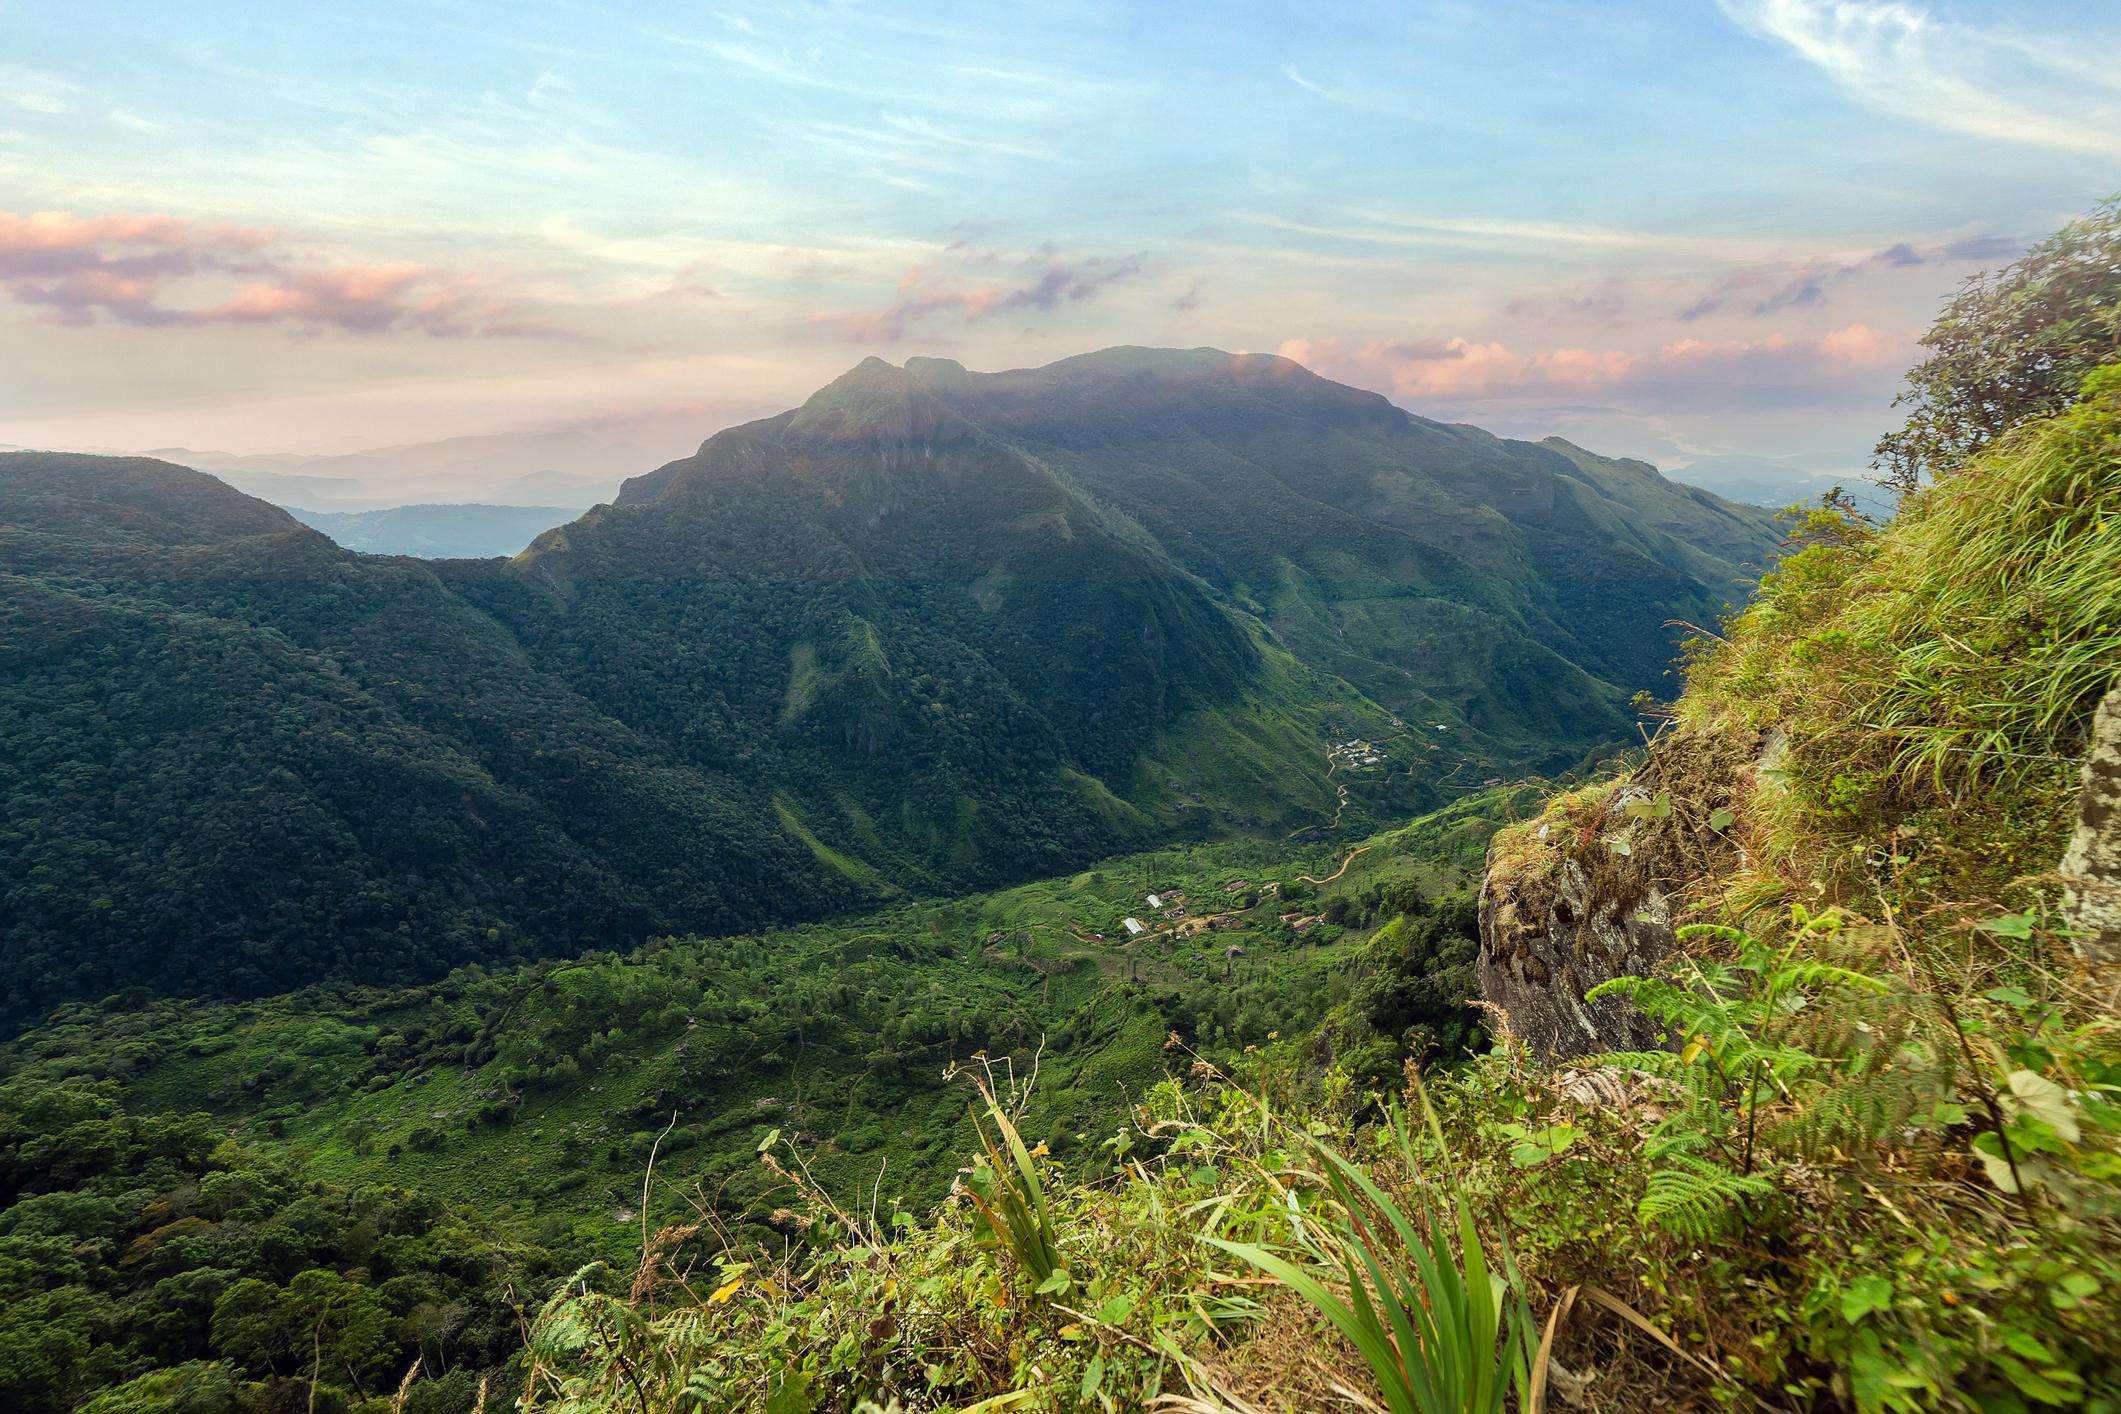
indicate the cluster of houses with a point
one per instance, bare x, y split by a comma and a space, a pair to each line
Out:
1355, 752
1171, 904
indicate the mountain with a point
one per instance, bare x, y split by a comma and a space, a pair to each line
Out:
241, 758
932, 630
576, 464
472, 532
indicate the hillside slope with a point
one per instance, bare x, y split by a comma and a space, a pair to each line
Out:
930, 631
241, 758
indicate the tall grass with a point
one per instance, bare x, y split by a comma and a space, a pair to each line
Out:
1968, 645
1011, 1199
2000, 598
1441, 1331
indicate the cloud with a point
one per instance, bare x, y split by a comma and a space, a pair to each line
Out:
1684, 371
33, 91
1047, 284
121, 267
1289, 72
1770, 289
1607, 302
1902, 59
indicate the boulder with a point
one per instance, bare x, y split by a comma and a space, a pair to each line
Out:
1553, 929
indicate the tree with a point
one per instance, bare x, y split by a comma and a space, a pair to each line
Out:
2010, 347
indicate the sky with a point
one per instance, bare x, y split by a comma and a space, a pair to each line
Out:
1679, 231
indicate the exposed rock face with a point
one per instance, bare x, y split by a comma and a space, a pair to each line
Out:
1546, 938
2092, 864
1594, 888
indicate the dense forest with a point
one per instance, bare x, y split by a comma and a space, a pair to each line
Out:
211, 1207
148, 1264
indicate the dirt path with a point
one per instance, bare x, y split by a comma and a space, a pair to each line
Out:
1337, 872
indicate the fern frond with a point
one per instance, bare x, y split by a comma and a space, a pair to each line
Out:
1821, 975
1665, 1065
1696, 1198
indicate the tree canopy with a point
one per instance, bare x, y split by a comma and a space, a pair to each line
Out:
2011, 346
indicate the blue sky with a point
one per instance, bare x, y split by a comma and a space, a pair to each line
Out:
1672, 230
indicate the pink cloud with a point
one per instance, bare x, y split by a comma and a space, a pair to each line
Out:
119, 267
1461, 367
1690, 369
358, 297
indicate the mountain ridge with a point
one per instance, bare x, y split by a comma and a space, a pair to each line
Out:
929, 630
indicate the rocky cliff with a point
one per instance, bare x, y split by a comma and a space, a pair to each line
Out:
1594, 888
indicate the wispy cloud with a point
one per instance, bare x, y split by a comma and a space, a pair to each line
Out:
1373, 227
33, 91
1769, 289
1295, 76
1993, 82
1043, 284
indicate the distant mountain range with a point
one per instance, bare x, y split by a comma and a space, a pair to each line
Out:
929, 631
471, 532
1759, 481
573, 464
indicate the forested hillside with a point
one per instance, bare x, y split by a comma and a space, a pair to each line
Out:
211, 1207
928, 632
243, 759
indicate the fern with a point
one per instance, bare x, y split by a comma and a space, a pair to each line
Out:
1697, 1198
1817, 1046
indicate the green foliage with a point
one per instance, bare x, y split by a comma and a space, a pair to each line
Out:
1413, 984
1011, 1198
148, 1264
1740, 1022
1937, 677
2011, 347
534, 1094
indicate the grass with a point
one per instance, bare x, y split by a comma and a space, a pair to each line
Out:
1440, 1332
1939, 674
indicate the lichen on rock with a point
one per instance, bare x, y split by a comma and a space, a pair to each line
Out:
1595, 887
2091, 867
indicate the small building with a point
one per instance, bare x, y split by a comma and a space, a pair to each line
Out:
1156, 901
1134, 926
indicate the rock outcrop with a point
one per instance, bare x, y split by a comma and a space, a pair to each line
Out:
2092, 864
1593, 890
